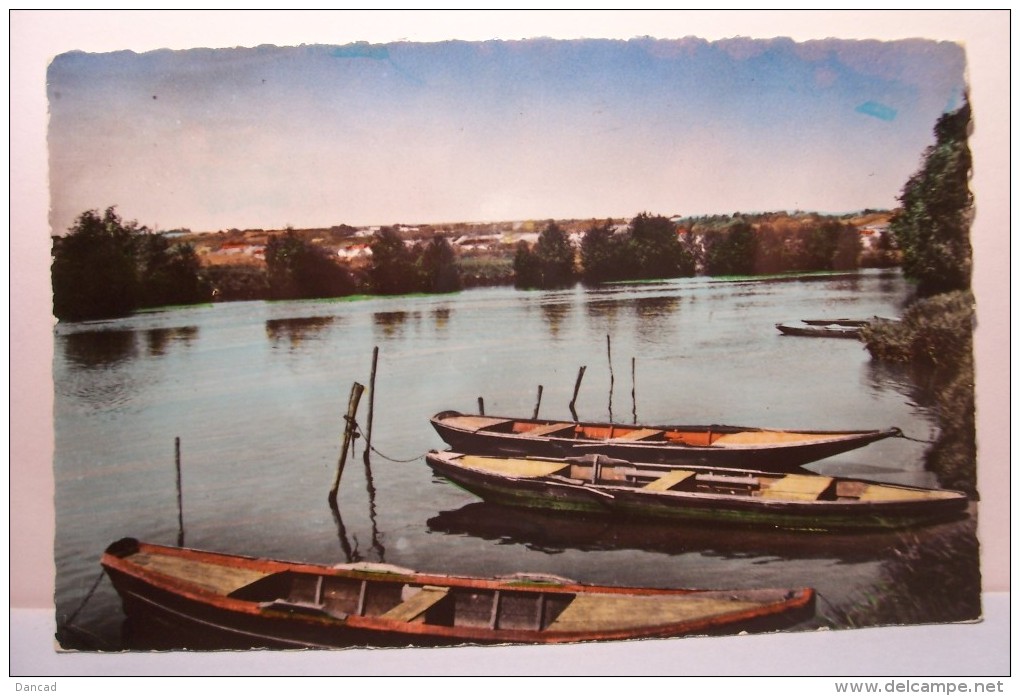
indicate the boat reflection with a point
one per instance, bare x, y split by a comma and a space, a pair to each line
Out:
552, 532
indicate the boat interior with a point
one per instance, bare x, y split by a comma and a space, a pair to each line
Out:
693, 437
405, 602
604, 471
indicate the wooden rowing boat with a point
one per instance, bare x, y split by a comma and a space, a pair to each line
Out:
703, 445
185, 598
820, 328
599, 484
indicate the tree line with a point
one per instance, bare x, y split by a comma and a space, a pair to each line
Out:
107, 267
653, 246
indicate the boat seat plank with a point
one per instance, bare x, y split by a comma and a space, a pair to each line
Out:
769, 437
513, 467
606, 612
475, 423
213, 577
797, 487
412, 608
668, 480
640, 434
550, 429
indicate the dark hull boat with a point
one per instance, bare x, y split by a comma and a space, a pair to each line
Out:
598, 484
184, 598
709, 445
821, 328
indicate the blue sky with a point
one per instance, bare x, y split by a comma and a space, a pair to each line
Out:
414, 132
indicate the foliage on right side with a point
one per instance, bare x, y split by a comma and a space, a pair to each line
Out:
936, 330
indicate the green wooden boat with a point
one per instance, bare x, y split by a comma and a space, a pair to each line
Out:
599, 484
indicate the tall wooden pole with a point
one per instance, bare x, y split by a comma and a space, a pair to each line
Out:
612, 378
371, 403
633, 388
577, 388
538, 402
180, 505
352, 410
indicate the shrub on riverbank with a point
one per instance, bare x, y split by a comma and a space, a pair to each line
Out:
936, 336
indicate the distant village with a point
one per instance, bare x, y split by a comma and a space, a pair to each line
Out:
351, 245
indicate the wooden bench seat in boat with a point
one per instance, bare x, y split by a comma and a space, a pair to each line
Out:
513, 467
668, 480
640, 434
476, 423
413, 607
797, 487
550, 429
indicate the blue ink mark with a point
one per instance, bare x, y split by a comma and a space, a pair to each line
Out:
870, 108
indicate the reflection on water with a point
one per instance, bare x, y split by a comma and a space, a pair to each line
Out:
158, 340
297, 330
99, 348
441, 317
391, 324
555, 314
556, 532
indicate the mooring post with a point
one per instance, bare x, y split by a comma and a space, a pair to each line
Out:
577, 388
612, 378
481, 406
633, 388
538, 402
350, 423
180, 505
371, 403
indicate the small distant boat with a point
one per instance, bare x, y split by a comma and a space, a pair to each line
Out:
202, 600
599, 484
837, 322
704, 445
824, 328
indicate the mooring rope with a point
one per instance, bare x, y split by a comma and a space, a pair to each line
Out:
360, 433
88, 596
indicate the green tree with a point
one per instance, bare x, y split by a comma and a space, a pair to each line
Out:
654, 249
600, 254
439, 272
94, 271
732, 251
393, 269
105, 267
526, 268
297, 269
555, 256
171, 273
932, 227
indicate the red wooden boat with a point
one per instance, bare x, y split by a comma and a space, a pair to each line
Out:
704, 445
184, 598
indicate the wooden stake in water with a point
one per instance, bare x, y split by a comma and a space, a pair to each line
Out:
612, 378
481, 406
538, 402
371, 403
577, 388
180, 505
633, 389
352, 410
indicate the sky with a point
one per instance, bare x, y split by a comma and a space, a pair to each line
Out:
415, 132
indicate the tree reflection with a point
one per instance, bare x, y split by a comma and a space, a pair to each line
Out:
100, 348
157, 340
296, 331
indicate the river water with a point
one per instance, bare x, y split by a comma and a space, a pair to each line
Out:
256, 392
